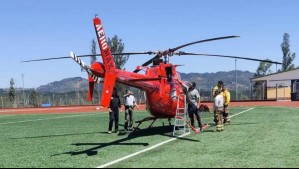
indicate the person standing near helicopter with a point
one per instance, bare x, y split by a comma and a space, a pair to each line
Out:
216, 90
193, 99
226, 94
218, 107
130, 104
114, 107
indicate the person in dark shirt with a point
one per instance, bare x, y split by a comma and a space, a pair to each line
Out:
114, 107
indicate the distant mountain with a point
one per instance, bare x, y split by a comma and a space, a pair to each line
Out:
65, 85
204, 81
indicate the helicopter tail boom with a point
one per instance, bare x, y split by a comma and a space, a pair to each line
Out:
109, 65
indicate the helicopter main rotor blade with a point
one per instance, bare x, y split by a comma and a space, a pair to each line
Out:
201, 41
80, 56
170, 51
38, 60
226, 56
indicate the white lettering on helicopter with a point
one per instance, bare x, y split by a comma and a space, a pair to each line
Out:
102, 37
103, 43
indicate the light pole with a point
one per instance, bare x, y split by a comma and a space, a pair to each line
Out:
23, 90
2, 102
236, 79
53, 99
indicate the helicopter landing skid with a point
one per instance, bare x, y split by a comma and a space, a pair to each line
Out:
144, 120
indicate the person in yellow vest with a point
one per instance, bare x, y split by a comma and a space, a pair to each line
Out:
226, 94
215, 91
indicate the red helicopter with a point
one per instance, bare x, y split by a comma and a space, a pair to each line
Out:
161, 82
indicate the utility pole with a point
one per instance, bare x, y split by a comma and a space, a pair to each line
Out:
23, 90
236, 79
78, 101
53, 99
2, 102
65, 99
212, 93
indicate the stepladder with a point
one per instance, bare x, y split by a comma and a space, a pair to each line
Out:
180, 124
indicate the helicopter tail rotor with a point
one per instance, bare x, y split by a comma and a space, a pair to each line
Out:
92, 78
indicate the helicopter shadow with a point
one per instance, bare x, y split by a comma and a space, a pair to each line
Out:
163, 131
57, 135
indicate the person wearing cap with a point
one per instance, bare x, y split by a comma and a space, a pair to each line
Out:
226, 94
218, 87
193, 99
130, 104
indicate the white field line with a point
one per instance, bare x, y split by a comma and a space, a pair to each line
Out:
153, 147
242, 112
139, 152
239, 108
47, 119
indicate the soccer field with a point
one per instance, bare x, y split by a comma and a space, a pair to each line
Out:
258, 137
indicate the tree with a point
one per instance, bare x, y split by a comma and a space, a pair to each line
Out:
116, 46
93, 51
12, 91
93, 59
263, 69
288, 57
33, 98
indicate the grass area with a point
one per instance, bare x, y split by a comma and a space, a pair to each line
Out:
262, 137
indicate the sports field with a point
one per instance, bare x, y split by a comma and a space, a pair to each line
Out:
257, 137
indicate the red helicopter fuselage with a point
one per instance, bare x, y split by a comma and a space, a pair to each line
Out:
162, 94
161, 83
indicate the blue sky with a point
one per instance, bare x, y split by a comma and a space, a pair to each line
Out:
33, 29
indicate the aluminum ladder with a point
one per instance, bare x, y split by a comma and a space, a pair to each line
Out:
180, 126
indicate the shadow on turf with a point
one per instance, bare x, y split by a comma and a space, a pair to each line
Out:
164, 131
62, 135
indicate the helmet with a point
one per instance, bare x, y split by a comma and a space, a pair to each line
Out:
193, 84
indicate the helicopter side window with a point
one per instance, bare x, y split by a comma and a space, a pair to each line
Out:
169, 73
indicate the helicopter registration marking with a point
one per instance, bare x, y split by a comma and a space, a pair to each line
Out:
104, 46
102, 36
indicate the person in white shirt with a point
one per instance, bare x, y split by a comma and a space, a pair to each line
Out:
219, 108
130, 104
